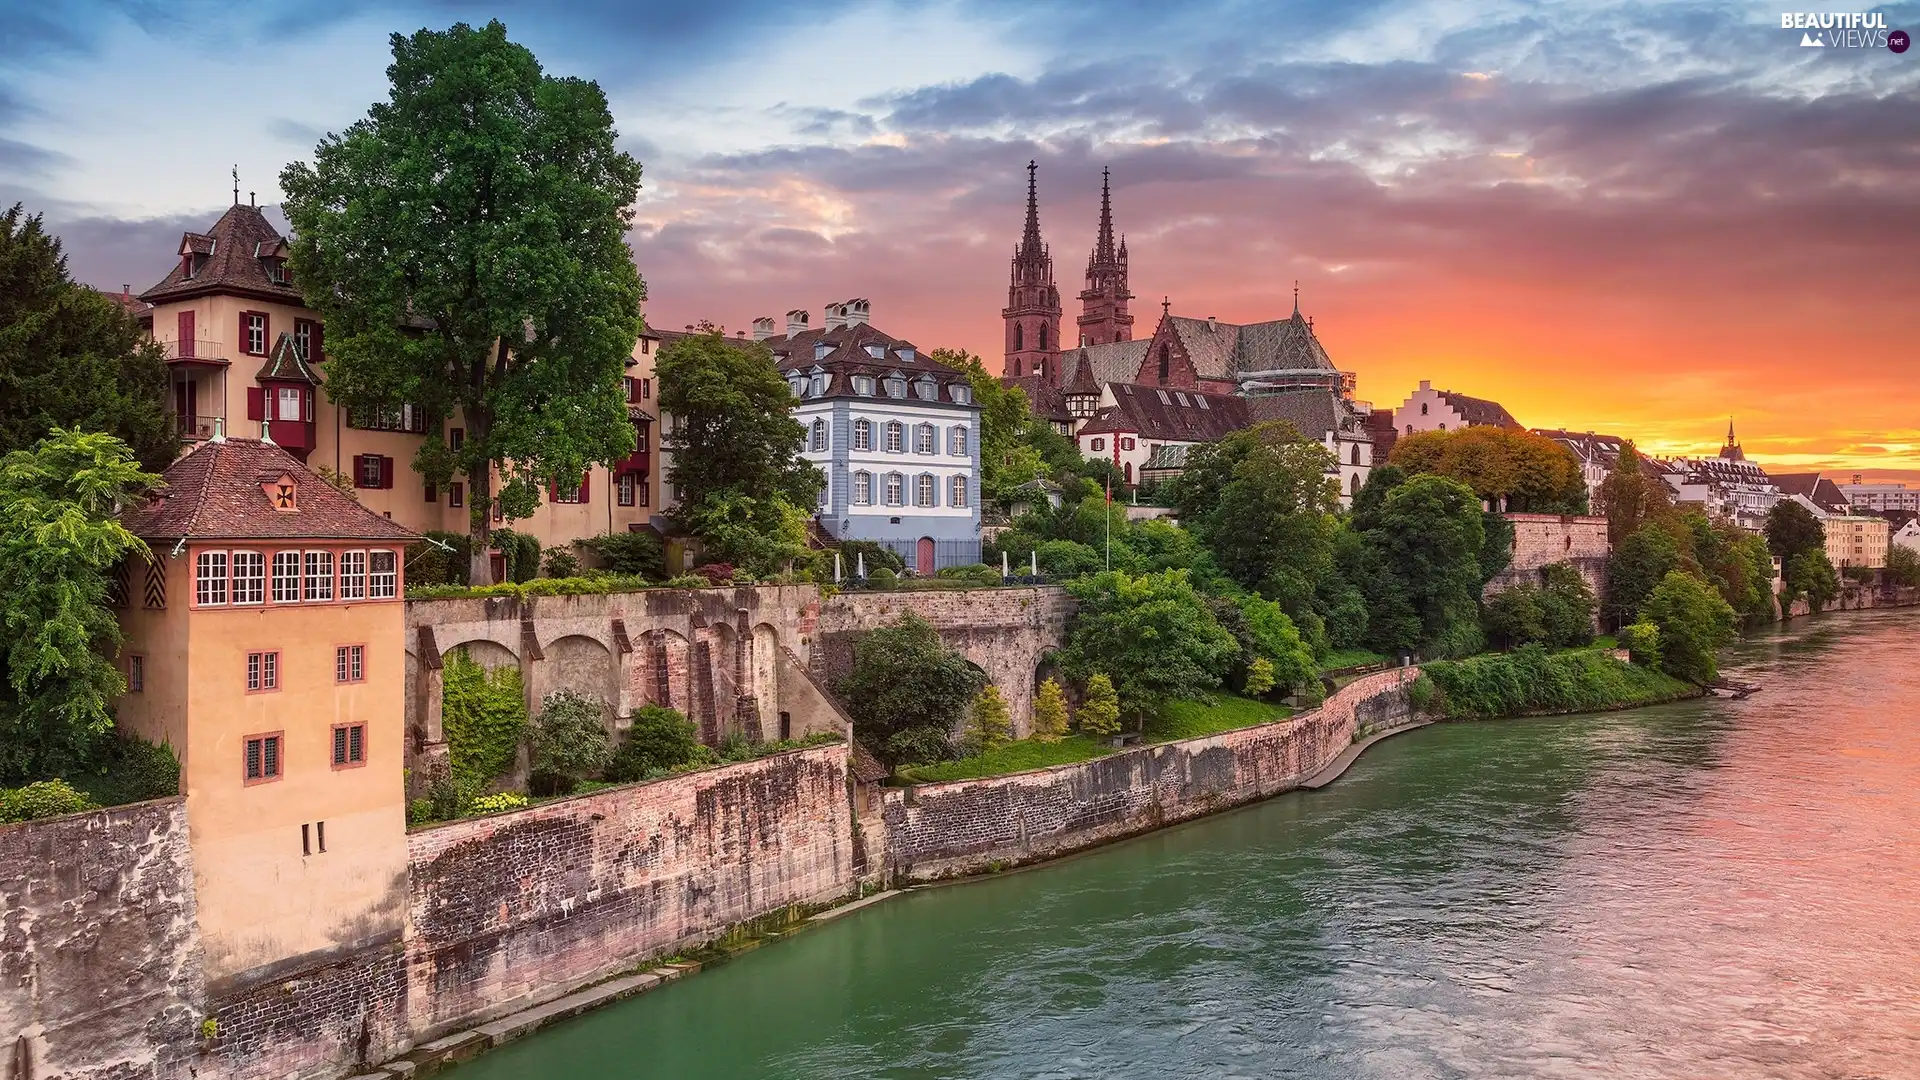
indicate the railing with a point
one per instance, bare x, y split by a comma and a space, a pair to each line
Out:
195, 349
196, 427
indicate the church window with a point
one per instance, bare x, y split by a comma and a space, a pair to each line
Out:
1356, 453
1016, 367
863, 434
1166, 360
1409, 429
1019, 339
1353, 487
1423, 408
1043, 337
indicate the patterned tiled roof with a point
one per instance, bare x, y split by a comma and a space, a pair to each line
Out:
1221, 350
286, 363
233, 251
1154, 412
1044, 399
128, 303
1116, 361
1314, 413
213, 493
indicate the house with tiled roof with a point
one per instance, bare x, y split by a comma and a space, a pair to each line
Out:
895, 431
246, 356
1854, 537
1427, 409
264, 642
1596, 453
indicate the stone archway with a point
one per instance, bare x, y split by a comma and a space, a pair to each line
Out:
581, 664
763, 676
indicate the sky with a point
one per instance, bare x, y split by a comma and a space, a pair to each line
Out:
1638, 219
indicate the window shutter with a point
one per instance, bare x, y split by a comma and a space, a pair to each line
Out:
359, 470
386, 472
256, 403
433, 493
584, 477
240, 340
186, 333
319, 353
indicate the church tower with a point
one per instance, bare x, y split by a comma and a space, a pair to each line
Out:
1032, 313
1103, 305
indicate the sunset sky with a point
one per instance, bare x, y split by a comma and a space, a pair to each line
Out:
1632, 218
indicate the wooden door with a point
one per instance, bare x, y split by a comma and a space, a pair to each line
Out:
923, 564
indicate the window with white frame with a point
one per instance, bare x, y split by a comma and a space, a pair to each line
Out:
863, 488
924, 439
896, 436
626, 487
319, 576
896, 388
798, 386
1099, 445
863, 434
353, 575
863, 385
962, 394
210, 578
957, 491
288, 407
249, 577
895, 489
926, 390
923, 490
818, 442
826, 492
383, 575
286, 577
256, 327
819, 386
957, 440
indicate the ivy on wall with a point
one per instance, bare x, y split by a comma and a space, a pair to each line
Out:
484, 716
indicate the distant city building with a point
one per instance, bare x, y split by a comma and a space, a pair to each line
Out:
897, 433
1880, 496
1427, 409
1726, 485
1596, 453
1907, 534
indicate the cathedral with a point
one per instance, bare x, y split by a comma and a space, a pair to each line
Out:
1141, 403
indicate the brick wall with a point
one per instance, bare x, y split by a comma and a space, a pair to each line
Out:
99, 949
939, 830
1540, 540
318, 1022
511, 910
1007, 632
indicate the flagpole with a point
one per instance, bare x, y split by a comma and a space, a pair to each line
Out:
1109, 521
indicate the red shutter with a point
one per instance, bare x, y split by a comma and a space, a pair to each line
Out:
583, 484
433, 493
240, 342
186, 334
256, 403
386, 472
266, 333
319, 343
359, 470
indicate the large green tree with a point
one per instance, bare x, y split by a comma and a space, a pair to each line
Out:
1792, 528
1262, 502
1629, 497
71, 358
1426, 538
907, 692
1152, 634
1694, 622
1635, 568
1734, 561
735, 444
1008, 457
467, 245
59, 544
1513, 470
1810, 574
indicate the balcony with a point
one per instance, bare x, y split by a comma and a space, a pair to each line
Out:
194, 351
194, 427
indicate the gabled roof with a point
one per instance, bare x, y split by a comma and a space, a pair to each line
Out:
287, 363
1479, 412
1221, 350
1314, 413
128, 303
1586, 445
230, 261
843, 352
1161, 413
213, 493
1821, 491
1116, 361
1044, 399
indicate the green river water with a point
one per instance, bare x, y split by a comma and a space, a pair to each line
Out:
1702, 890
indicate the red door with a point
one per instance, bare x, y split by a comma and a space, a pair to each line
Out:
186, 335
497, 565
923, 563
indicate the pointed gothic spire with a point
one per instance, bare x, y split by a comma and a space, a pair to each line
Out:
1103, 250
1030, 239
1729, 431
1296, 298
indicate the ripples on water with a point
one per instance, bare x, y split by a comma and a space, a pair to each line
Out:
1711, 889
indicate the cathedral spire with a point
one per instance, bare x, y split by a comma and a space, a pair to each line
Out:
1103, 303
1032, 314
1030, 245
1103, 251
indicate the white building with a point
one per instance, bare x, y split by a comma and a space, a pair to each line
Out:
1427, 409
1880, 496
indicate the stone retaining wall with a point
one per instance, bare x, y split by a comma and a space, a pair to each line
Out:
512, 910
967, 826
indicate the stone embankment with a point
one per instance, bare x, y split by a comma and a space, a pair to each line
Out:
971, 826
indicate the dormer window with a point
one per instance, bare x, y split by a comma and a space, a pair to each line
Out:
798, 386
863, 385
925, 390
819, 385
896, 388
907, 353
876, 351
821, 350
962, 394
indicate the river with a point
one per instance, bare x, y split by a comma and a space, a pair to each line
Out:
1710, 889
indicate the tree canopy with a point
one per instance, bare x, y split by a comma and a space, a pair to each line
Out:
70, 358
1629, 497
466, 242
1262, 501
59, 546
1791, 529
1152, 635
1511, 469
908, 692
1694, 624
1424, 590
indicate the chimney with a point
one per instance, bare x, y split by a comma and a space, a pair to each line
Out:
126, 290
854, 312
763, 328
739, 333
1426, 384
796, 322
836, 315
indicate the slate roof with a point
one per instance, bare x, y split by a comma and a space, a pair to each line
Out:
1044, 400
843, 352
1315, 413
233, 251
213, 493
1823, 492
1379, 424
1114, 362
1587, 445
286, 363
1479, 412
1154, 412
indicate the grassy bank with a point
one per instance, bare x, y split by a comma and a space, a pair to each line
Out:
1181, 720
1532, 680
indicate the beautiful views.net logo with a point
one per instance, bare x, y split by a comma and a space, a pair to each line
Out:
1845, 30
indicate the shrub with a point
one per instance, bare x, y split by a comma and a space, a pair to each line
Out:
1049, 712
1100, 712
44, 798
1259, 677
659, 741
498, 803
633, 553
904, 677
988, 727
917, 746
882, 578
1423, 694
976, 574
560, 562
688, 581
878, 556
132, 770
1531, 680
521, 552
569, 742
1694, 624
1066, 558
484, 716
1642, 641
716, 573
